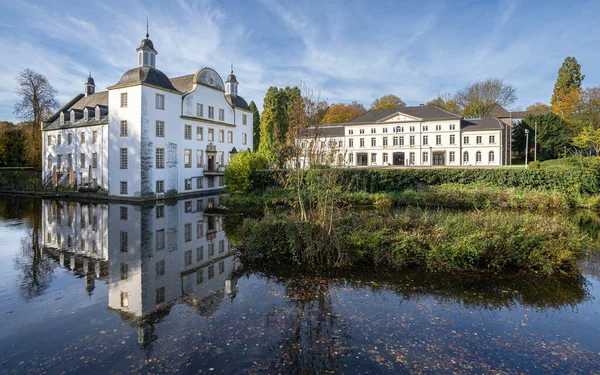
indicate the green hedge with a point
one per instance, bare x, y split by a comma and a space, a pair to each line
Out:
374, 180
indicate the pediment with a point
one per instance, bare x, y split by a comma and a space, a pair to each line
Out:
399, 117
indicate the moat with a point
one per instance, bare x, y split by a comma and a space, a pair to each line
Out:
114, 288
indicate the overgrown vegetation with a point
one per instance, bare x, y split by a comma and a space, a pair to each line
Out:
237, 173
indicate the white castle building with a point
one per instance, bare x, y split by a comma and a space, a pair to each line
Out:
423, 136
148, 134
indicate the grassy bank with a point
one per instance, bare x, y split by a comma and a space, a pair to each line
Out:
436, 240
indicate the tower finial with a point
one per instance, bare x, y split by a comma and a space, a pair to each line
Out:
147, 35
231, 66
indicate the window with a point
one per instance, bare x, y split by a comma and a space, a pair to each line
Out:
425, 128
199, 277
385, 141
373, 158
187, 158
221, 114
187, 232
478, 156
373, 142
491, 156
49, 141
350, 158
452, 139
411, 158
452, 156
362, 142
82, 160
384, 130
230, 136
123, 132
211, 182
199, 182
187, 257
199, 133
49, 165
244, 139
425, 140
341, 144
479, 139
222, 266
188, 184
123, 242
221, 246
350, 131
199, 229
466, 140
211, 112
395, 141
160, 128
160, 158
211, 272
124, 299
465, 156
160, 186
94, 136
412, 140
412, 128
187, 206
123, 187
221, 135
221, 158
187, 134
244, 119
492, 139
199, 253
385, 157
160, 238
95, 160
220, 180
59, 161
160, 268
211, 135
160, 101
438, 127
124, 156
123, 99
452, 127
82, 137
199, 159
160, 212
373, 131
425, 157
59, 139
160, 295
362, 131
69, 138
123, 213
199, 205
438, 140
351, 142
124, 271
200, 110
398, 129
402, 141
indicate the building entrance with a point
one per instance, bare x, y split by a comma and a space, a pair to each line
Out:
438, 158
398, 158
362, 159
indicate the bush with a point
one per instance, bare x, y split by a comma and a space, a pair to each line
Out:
239, 169
534, 165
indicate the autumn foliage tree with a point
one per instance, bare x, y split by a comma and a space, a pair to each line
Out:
387, 101
339, 113
447, 103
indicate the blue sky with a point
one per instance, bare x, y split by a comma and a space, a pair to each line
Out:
344, 50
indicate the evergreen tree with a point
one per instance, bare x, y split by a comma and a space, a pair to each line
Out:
255, 125
553, 135
274, 122
569, 78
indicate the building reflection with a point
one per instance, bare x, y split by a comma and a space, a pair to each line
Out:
152, 256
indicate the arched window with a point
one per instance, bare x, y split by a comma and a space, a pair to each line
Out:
478, 156
398, 129
466, 156
491, 156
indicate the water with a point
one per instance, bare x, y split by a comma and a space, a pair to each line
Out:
118, 288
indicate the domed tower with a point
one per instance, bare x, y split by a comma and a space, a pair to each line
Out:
90, 86
146, 52
231, 86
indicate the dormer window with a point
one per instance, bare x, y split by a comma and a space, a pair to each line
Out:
97, 113
72, 116
85, 114
62, 118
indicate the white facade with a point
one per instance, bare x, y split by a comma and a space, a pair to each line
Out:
437, 138
155, 135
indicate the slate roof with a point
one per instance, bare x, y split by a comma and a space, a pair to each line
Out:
78, 103
239, 101
481, 124
99, 98
183, 83
145, 74
325, 130
497, 111
424, 112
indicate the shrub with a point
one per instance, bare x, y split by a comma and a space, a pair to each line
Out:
239, 169
534, 165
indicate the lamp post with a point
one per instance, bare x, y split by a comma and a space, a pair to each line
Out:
535, 143
526, 145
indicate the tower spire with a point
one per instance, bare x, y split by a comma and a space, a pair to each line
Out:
147, 35
231, 66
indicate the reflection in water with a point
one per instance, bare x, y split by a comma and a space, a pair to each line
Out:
152, 256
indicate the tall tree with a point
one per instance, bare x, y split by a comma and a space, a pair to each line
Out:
569, 78
447, 103
274, 122
588, 112
338, 113
553, 135
476, 98
387, 101
37, 102
537, 106
255, 125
